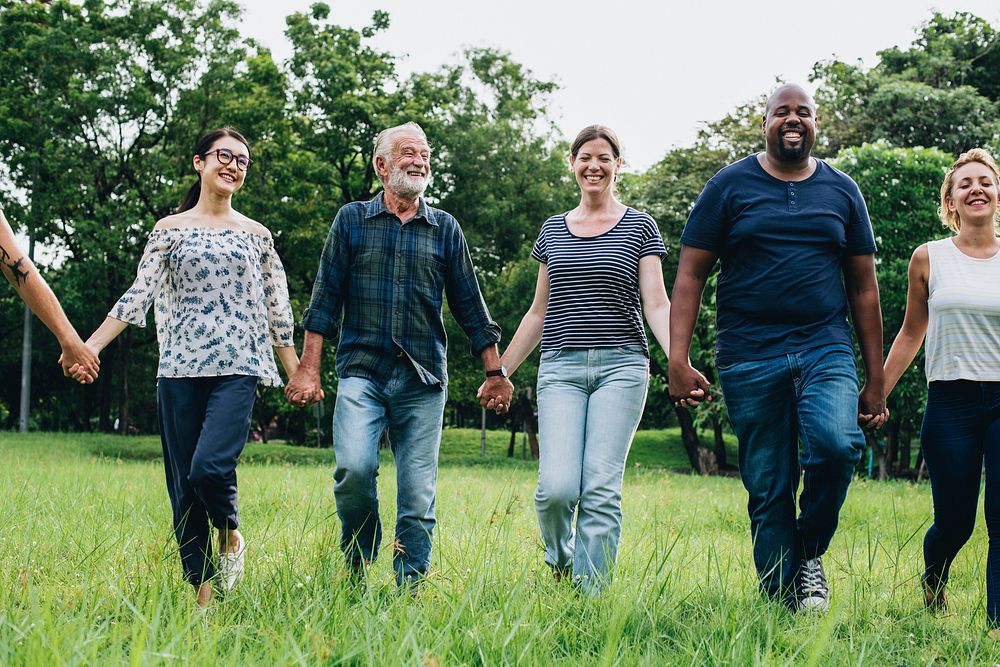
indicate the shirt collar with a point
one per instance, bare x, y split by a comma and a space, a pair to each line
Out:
377, 206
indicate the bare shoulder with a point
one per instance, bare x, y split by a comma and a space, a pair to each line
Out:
920, 264
174, 221
921, 256
252, 226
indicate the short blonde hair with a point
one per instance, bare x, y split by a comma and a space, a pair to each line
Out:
948, 217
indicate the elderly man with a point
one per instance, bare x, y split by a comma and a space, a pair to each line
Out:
797, 250
384, 268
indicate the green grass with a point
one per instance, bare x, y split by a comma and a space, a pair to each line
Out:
89, 575
461, 447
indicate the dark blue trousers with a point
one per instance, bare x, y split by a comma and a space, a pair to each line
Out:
961, 433
204, 422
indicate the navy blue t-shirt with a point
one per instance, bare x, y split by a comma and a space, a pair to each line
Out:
781, 246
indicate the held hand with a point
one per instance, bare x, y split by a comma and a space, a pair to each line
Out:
688, 387
495, 394
872, 412
303, 388
80, 361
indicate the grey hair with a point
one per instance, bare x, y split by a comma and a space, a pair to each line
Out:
387, 137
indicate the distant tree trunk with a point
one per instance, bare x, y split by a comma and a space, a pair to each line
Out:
880, 455
105, 381
124, 350
720, 443
920, 465
905, 440
701, 458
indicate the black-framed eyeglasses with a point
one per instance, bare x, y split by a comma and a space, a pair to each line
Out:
225, 156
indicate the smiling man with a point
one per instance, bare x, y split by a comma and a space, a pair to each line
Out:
385, 267
797, 252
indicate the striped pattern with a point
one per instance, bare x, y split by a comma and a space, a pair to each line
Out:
963, 329
594, 282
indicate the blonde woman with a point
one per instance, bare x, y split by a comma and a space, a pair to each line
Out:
954, 300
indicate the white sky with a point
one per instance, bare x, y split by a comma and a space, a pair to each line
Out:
650, 70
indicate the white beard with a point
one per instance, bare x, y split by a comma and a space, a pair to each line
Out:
406, 186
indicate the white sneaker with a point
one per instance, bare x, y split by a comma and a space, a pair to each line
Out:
230, 569
812, 591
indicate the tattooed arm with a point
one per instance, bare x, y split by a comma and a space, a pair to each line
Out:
19, 270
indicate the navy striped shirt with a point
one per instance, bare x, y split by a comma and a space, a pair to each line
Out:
594, 282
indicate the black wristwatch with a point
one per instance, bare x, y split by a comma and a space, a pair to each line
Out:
500, 372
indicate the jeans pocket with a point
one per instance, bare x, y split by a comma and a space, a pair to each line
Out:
549, 355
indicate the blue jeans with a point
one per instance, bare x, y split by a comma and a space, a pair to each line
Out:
812, 397
412, 411
961, 432
589, 405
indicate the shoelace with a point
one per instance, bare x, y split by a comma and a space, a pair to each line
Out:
813, 579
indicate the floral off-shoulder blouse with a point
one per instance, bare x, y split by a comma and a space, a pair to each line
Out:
221, 302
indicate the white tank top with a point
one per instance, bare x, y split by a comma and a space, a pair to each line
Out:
963, 308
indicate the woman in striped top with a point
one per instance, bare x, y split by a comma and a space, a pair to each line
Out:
954, 298
596, 263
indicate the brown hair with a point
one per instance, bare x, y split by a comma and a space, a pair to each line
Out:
592, 132
982, 156
201, 149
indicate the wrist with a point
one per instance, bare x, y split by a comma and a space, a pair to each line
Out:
499, 371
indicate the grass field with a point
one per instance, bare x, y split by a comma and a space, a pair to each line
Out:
89, 575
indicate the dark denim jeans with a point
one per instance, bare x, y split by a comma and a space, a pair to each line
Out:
961, 432
204, 422
774, 404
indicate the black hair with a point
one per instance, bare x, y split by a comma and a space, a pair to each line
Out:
201, 149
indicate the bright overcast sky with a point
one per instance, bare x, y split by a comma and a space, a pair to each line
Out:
650, 70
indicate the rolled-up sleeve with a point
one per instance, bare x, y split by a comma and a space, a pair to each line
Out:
327, 300
280, 323
465, 299
133, 305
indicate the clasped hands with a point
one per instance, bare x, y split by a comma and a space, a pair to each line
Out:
495, 394
80, 361
303, 388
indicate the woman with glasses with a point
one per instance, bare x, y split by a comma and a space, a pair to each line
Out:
221, 304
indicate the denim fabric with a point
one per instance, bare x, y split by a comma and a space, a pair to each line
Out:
774, 404
204, 422
589, 405
961, 432
412, 411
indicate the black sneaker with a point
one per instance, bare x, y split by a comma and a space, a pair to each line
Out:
811, 589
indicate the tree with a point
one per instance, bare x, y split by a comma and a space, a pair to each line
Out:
901, 187
88, 135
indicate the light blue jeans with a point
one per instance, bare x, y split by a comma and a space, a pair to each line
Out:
589, 405
412, 411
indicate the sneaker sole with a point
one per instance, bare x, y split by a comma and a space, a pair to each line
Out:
814, 604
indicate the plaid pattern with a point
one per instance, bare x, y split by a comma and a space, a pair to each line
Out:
388, 280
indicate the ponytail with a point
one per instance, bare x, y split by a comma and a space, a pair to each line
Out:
190, 197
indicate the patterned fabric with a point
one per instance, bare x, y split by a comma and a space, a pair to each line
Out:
221, 302
387, 279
